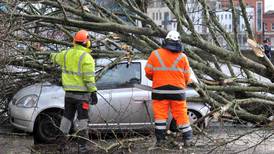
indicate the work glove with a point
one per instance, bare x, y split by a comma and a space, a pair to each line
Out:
93, 98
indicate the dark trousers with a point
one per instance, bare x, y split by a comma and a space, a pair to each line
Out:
72, 105
76, 101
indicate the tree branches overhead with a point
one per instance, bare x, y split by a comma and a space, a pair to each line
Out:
227, 75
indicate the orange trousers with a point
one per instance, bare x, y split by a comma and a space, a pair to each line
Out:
178, 110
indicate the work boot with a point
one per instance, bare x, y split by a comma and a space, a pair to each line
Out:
82, 141
161, 143
188, 143
187, 138
160, 139
62, 141
160, 134
82, 149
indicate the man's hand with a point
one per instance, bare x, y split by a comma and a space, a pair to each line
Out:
93, 98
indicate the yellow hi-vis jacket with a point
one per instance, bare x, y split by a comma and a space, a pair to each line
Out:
78, 69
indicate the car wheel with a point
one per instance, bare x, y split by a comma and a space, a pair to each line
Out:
47, 128
193, 116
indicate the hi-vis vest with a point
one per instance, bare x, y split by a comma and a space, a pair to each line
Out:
78, 69
170, 73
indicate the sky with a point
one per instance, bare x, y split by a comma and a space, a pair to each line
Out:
269, 5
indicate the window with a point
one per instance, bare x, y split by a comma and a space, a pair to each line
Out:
158, 4
163, 4
225, 16
265, 27
156, 15
166, 16
259, 16
160, 16
153, 16
230, 26
229, 16
221, 17
120, 76
272, 27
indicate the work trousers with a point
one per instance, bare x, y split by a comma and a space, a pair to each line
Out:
75, 103
179, 112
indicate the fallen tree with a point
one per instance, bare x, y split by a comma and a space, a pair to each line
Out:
31, 30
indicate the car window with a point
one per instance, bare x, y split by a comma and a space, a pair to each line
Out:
120, 76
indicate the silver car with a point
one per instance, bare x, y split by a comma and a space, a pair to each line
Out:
38, 108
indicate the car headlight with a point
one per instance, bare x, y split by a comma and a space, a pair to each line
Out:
27, 101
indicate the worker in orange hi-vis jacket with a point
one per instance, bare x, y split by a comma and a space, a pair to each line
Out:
169, 70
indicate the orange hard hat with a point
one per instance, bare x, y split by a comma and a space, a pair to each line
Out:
81, 36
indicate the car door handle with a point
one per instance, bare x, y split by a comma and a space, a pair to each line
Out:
140, 101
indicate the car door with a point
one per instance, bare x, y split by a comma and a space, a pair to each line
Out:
130, 102
123, 105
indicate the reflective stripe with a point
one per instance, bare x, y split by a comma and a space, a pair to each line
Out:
160, 121
149, 65
184, 128
79, 73
87, 73
65, 58
90, 84
160, 127
82, 124
168, 91
54, 58
79, 63
181, 56
173, 66
170, 69
160, 124
83, 88
159, 58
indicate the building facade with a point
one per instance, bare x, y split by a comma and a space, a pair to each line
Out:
163, 16
225, 19
258, 9
269, 26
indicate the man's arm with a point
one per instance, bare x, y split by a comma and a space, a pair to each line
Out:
149, 67
88, 70
187, 71
58, 58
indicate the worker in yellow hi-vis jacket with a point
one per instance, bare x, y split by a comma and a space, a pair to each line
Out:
78, 80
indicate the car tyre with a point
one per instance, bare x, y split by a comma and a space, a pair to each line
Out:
46, 128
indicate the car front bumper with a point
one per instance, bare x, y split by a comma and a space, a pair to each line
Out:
21, 118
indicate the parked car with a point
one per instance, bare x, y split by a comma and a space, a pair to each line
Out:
121, 105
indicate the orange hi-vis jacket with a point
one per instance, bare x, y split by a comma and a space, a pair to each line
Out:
170, 73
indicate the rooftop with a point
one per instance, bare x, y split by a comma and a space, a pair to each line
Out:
270, 12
